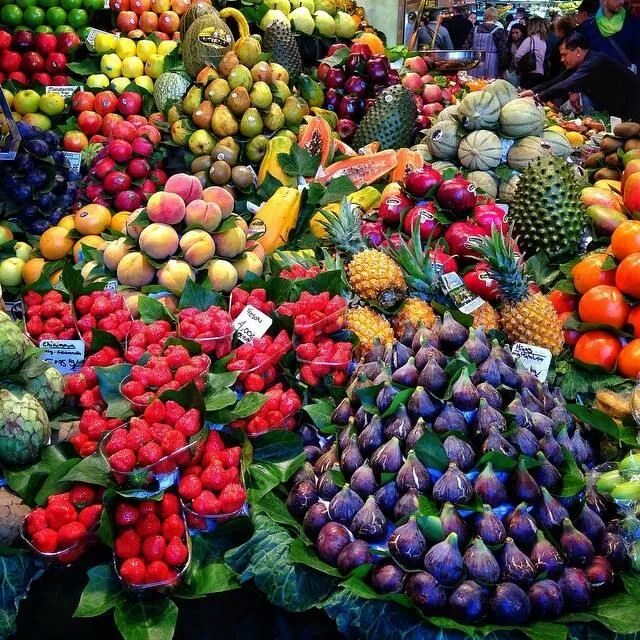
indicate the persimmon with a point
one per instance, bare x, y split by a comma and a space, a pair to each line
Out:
599, 348
589, 272
605, 305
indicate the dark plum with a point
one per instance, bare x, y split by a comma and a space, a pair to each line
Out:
425, 592
332, 539
468, 603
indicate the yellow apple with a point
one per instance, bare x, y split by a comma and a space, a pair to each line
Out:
154, 66
104, 43
11, 272
111, 65
8, 96
98, 81
120, 84
26, 101
166, 47
145, 49
23, 250
145, 82
125, 47
132, 67
51, 104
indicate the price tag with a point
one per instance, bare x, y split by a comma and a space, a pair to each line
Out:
112, 286
66, 356
92, 33
453, 285
251, 324
66, 91
535, 359
14, 309
614, 122
74, 159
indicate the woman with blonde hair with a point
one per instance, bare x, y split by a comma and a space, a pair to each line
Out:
491, 38
531, 54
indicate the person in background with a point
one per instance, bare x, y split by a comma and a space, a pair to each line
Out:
473, 18
535, 42
634, 8
615, 32
491, 38
409, 27
586, 10
516, 37
459, 27
562, 27
601, 82
520, 18
426, 33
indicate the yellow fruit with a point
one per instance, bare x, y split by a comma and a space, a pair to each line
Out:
51, 104
98, 81
132, 67
145, 82
111, 65
68, 222
575, 139
92, 219
120, 84
91, 241
154, 66
119, 221
557, 129
486, 318
413, 312
55, 276
125, 47
8, 96
145, 49
368, 325
104, 43
32, 270
166, 47
373, 275
55, 243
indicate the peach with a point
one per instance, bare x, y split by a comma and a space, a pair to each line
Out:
131, 299
169, 301
158, 6
159, 241
255, 247
205, 214
114, 252
240, 222
180, 6
165, 207
221, 197
230, 243
134, 229
222, 275
249, 263
135, 270
173, 275
185, 186
197, 247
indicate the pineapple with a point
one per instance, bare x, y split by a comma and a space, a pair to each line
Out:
486, 318
372, 274
348, 6
368, 325
524, 316
414, 312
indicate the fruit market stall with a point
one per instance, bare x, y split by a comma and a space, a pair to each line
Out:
294, 317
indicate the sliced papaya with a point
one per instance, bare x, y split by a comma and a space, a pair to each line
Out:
316, 139
362, 170
371, 148
408, 160
342, 148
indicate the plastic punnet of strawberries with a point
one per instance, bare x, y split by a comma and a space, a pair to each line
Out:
315, 315
323, 360
211, 329
257, 298
151, 544
212, 491
48, 317
61, 530
104, 310
147, 338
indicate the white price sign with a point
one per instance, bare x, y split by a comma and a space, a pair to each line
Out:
74, 159
535, 359
251, 324
66, 91
66, 356
112, 286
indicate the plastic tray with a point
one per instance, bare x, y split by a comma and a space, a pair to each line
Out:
74, 312
35, 341
326, 326
219, 345
288, 423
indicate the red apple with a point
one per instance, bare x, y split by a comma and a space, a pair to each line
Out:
124, 130
68, 41
127, 21
74, 141
32, 62
22, 40
45, 43
10, 61
59, 80
129, 103
127, 200
425, 216
109, 122
393, 206
82, 101
103, 167
137, 121
42, 77
116, 181
420, 181
150, 132
106, 102
5, 40
90, 122
56, 62
20, 77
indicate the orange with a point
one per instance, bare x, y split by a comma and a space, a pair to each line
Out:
92, 219
626, 239
68, 222
604, 305
629, 360
375, 44
32, 270
55, 277
119, 221
598, 348
55, 243
91, 241
588, 273
628, 275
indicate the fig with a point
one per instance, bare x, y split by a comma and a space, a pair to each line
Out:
546, 599
523, 487
501, 353
524, 441
385, 397
444, 561
489, 487
326, 460
489, 393
369, 523
560, 415
489, 527
549, 511
487, 372
487, 418
530, 402
546, 558
332, 539
315, 519
476, 346
539, 423
464, 395
312, 453
426, 336
344, 505
387, 577
576, 590
400, 357
450, 419
362, 418
351, 458
551, 449
360, 382
427, 353
468, 603
452, 522
433, 377
415, 434
596, 502
515, 566
453, 486
591, 524
564, 440
302, 495
376, 352
385, 375
518, 413
452, 335
576, 546
521, 526
342, 413
386, 498
546, 475
481, 564
600, 575
371, 437
582, 451
407, 504
413, 475
344, 435
408, 334
387, 458
425, 592
509, 604
614, 549
496, 442
363, 482
421, 405
459, 452
407, 545
305, 472
508, 376
527, 379
355, 554
327, 486
399, 426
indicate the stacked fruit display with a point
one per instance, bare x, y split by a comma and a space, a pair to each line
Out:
615, 153
485, 539
160, 18
48, 317
63, 16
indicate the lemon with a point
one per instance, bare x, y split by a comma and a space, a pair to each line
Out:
125, 47
145, 49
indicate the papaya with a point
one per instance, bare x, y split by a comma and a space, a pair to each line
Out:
408, 160
370, 149
362, 170
276, 218
316, 139
365, 199
342, 148
270, 164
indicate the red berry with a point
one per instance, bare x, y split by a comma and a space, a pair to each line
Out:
189, 423
148, 525
169, 505
157, 571
206, 504
172, 527
153, 548
45, 540
173, 412
82, 495
213, 476
149, 454
127, 544
189, 487
126, 514
60, 513
123, 461
36, 521
232, 497
176, 553
90, 516
155, 412
70, 534
133, 571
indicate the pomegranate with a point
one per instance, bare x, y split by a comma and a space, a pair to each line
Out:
393, 206
490, 215
425, 216
442, 260
480, 282
457, 195
464, 237
373, 232
420, 181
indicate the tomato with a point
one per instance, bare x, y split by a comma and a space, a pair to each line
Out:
588, 273
625, 240
598, 348
628, 275
629, 360
563, 301
604, 305
634, 321
571, 336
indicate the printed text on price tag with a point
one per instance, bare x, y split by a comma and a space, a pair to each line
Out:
251, 324
66, 356
535, 359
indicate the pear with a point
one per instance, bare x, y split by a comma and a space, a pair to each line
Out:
193, 98
256, 149
228, 63
279, 5
202, 115
308, 4
302, 20
181, 130
201, 143
294, 110
251, 123
273, 117
345, 25
240, 76
280, 91
325, 24
239, 101
217, 91
223, 123
228, 150
261, 96
248, 50
278, 72
273, 15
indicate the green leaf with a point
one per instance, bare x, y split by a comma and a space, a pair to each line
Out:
268, 187
146, 620
603, 423
338, 189
92, 470
200, 296
566, 286
320, 412
430, 452
574, 380
101, 339
266, 476
220, 399
499, 461
277, 446
102, 593
337, 58
109, 380
400, 399
151, 310
217, 381
572, 478
431, 528
87, 67
631, 584
619, 613
276, 509
299, 162
300, 553
54, 481
247, 406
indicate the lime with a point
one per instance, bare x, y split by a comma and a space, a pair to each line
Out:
11, 15
45, 4
44, 28
94, 4
83, 32
56, 16
67, 5
77, 18
23, 4
34, 16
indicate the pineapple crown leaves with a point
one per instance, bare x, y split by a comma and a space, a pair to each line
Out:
344, 228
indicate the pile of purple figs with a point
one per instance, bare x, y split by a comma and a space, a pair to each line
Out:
469, 495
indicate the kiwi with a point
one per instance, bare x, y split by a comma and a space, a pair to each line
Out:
606, 173
627, 130
242, 177
594, 160
201, 163
632, 143
613, 159
609, 144
220, 172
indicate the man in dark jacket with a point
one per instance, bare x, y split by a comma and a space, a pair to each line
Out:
615, 32
606, 83
459, 28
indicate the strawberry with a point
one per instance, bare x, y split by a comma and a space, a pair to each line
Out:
254, 382
176, 552
213, 476
192, 470
173, 441
153, 548
83, 304
101, 307
32, 297
159, 375
126, 514
147, 507
123, 461
116, 442
214, 442
149, 454
70, 534
307, 351
169, 505
188, 330
90, 515
173, 412
88, 449
127, 544
159, 430
206, 504
45, 540
36, 521
173, 527
189, 423
82, 495
186, 374
231, 498
59, 513
230, 457
177, 356
148, 525
157, 571
133, 571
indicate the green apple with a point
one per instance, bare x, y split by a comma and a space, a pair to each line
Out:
11, 272
37, 120
23, 250
26, 101
51, 104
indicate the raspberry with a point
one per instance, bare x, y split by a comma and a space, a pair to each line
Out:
172, 527
231, 498
123, 461
155, 412
189, 423
157, 571
148, 525
153, 548
213, 476
173, 441
71, 533
169, 505
36, 521
149, 454
206, 504
60, 513
82, 495
45, 540
126, 514
133, 571
176, 553
127, 544
90, 516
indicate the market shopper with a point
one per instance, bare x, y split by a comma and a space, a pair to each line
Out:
427, 32
520, 18
516, 38
490, 37
616, 32
562, 27
602, 82
459, 27
586, 10
530, 56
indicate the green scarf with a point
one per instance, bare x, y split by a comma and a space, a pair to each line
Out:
610, 26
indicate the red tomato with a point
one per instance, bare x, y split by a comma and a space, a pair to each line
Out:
604, 305
598, 348
629, 360
563, 301
634, 321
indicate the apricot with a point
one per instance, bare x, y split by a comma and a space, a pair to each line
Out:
222, 198
249, 263
134, 270
205, 214
166, 207
159, 241
222, 275
173, 275
230, 243
197, 247
131, 299
185, 186
133, 228
114, 252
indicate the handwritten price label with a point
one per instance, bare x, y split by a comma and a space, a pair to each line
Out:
251, 324
112, 286
535, 359
66, 356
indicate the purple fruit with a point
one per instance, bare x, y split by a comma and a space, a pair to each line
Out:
393, 78
521, 526
550, 512
356, 85
489, 527
496, 442
351, 458
335, 78
407, 504
432, 376
546, 599
302, 495
387, 577
546, 475
476, 346
355, 64
407, 545
468, 603
576, 590
327, 486
332, 539
450, 419
344, 505
600, 575
489, 487
332, 99
452, 522
354, 555
546, 558
421, 405
315, 519
591, 524
453, 486
372, 436
405, 374
464, 394
444, 561
413, 475
509, 604
363, 482
452, 335
342, 413
350, 107
481, 564
613, 548
459, 452
387, 458
576, 546
523, 487
378, 68
515, 565
425, 592
386, 498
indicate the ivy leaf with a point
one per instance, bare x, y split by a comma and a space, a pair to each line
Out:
338, 189
151, 310
299, 162
109, 380
221, 399
102, 593
316, 193
266, 476
146, 620
430, 452
200, 296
